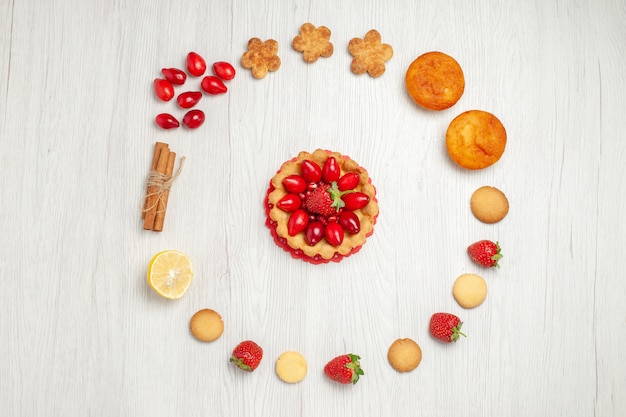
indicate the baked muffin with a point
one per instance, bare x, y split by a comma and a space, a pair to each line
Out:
475, 139
435, 81
321, 206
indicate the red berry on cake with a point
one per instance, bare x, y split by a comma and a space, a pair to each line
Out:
319, 202
348, 181
294, 184
354, 201
297, 222
314, 233
349, 221
311, 172
334, 233
330, 170
289, 203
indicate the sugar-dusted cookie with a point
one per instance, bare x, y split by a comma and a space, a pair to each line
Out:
475, 139
291, 367
404, 355
435, 81
261, 57
489, 205
469, 290
370, 54
313, 42
206, 325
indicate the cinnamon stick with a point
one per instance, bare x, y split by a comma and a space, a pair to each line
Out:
155, 160
159, 219
153, 194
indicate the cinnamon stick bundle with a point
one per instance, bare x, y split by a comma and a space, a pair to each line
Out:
158, 187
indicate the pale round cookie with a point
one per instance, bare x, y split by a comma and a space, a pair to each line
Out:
291, 367
206, 325
404, 355
469, 290
489, 205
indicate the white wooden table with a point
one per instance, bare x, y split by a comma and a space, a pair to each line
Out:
82, 334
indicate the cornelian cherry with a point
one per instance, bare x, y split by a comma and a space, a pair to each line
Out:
314, 232
195, 64
297, 222
213, 85
188, 99
294, 184
163, 89
224, 70
166, 121
330, 170
350, 222
194, 118
334, 233
289, 203
311, 172
355, 200
348, 181
174, 75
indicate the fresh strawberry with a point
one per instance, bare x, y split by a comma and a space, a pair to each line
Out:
445, 327
485, 253
319, 202
344, 369
247, 355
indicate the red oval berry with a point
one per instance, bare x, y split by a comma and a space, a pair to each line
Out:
330, 171
290, 202
224, 70
193, 119
294, 184
195, 64
297, 222
350, 222
188, 99
166, 121
314, 233
311, 172
334, 234
355, 201
174, 75
163, 89
213, 85
348, 181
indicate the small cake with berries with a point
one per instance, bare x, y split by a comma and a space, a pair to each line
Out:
321, 206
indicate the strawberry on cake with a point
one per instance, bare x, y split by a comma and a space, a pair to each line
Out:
321, 206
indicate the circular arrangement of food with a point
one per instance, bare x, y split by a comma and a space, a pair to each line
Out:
321, 206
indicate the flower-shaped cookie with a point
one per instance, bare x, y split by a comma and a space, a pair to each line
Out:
313, 42
261, 57
370, 54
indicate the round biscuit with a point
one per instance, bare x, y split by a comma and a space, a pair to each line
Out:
469, 290
291, 367
489, 205
404, 355
206, 325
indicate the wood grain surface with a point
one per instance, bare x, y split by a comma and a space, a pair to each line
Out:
82, 333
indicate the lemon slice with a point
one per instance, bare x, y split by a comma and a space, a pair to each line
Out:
170, 273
